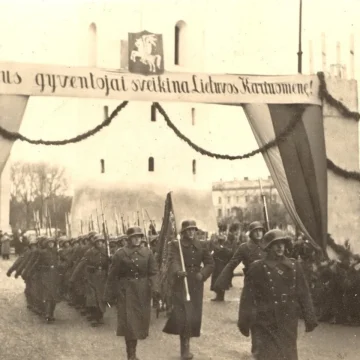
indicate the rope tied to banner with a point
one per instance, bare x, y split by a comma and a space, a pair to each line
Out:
323, 94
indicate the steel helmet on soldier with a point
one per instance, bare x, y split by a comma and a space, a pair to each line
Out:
134, 231
273, 236
254, 226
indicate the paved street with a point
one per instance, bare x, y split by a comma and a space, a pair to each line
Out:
25, 336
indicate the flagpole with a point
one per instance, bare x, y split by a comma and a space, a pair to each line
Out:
300, 40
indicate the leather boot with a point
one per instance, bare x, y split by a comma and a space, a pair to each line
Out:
131, 349
219, 296
185, 348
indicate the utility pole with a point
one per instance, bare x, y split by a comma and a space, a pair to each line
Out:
300, 40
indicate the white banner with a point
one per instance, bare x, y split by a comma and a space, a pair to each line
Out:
63, 81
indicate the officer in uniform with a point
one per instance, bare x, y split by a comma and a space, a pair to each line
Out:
131, 282
246, 253
194, 255
274, 288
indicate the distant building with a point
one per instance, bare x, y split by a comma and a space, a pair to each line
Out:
228, 196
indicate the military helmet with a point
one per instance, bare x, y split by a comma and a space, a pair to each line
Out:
188, 224
273, 236
254, 226
134, 231
97, 237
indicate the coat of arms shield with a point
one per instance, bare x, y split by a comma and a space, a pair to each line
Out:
146, 53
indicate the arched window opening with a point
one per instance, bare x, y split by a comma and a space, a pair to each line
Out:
151, 164
194, 167
92, 45
180, 43
102, 166
193, 116
219, 200
153, 112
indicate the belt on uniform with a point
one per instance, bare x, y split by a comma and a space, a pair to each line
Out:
192, 268
135, 276
95, 268
47, 266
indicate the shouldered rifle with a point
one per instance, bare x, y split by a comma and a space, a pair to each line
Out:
117, 224
123, 224
106, 235
266, 215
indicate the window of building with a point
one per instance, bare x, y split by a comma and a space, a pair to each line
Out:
194, 167
237, 199
153, 112
247, 198
219, 200
106, 112
219, 213
228, 212
193, 116
180, 29
92, 45
102, 166
256, 198
151, 164
228, 199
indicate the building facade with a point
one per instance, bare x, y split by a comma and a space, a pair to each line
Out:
231, 195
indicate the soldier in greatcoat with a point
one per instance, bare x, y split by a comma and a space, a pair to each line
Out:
131, 283
222, 252
94, 264
5, 246
274, 289
246, 253
48, 267
194, 256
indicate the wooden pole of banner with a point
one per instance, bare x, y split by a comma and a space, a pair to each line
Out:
300, 40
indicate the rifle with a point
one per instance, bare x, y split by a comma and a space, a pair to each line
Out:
143, 219
98, 222
138, 218
36, 224
116, 224
123, 224
68, 225
81, 227
266, 215
106, 235
151, 221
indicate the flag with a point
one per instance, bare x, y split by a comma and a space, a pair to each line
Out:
297, 164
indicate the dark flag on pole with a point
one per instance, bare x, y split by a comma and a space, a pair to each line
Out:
146, 53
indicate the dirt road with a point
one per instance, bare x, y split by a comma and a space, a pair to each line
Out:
25, 336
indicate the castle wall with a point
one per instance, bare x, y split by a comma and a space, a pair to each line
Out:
342, 147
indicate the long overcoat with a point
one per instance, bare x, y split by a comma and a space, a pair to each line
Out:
272, 295
133, 275
95, 265
194, 256
5, 246
48, 267
246, 253
222, 254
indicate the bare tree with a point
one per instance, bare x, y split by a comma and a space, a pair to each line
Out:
37, 186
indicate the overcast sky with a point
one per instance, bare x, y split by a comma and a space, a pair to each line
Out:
263, 34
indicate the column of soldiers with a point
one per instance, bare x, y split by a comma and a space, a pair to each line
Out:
80, 272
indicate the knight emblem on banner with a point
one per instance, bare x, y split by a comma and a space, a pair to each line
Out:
146, 54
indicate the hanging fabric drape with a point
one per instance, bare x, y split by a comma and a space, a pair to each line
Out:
298, 164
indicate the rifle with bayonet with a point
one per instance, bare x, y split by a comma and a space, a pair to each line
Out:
105, 232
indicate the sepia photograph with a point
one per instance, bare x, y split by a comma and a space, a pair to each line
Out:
179, 180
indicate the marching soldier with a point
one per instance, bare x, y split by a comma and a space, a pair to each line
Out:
246, 253
222, 254
121, 241
47, 264
274, 287
131, 281
95, 265
194, 255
